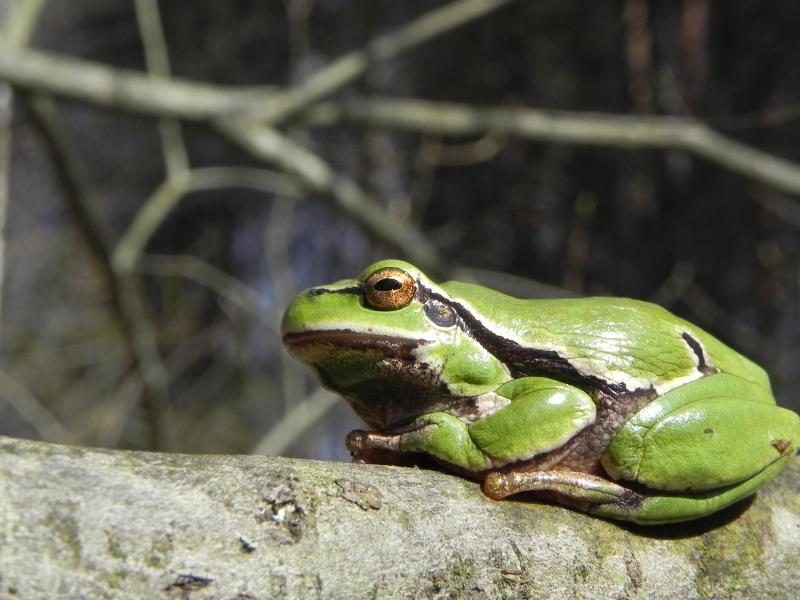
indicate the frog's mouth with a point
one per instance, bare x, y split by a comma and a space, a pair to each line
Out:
301, 343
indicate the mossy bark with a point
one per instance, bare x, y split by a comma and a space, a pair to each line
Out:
89, 523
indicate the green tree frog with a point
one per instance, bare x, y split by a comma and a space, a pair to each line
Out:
613, 406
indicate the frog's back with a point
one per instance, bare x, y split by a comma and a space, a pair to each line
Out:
630, 341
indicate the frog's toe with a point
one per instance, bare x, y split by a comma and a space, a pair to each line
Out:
497, 486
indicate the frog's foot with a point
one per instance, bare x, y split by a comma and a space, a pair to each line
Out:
438, 436
579, 489
372, 447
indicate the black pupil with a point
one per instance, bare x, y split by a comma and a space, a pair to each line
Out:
388, 284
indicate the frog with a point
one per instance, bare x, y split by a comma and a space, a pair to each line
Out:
612, 406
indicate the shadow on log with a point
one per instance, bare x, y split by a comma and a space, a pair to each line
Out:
89, 523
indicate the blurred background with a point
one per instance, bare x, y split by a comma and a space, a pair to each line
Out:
172, 173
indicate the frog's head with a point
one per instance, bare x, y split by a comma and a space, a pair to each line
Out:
390, 342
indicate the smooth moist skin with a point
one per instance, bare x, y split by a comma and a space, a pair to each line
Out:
611, 405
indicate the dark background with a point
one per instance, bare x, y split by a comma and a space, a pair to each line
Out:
712, 245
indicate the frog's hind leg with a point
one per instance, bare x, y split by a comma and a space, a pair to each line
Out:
689, 453
605, 498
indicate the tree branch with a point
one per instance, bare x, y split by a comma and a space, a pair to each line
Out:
156, 55
224, 285
126, 294
170, 193
134, 92
84, 523
429, 26
621, 131
270, 145
121, 89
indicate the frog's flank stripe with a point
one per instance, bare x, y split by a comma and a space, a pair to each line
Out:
356, 289
695, 346
522, 360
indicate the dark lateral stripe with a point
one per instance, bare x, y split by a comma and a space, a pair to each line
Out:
522, 360
695, 346
356, 289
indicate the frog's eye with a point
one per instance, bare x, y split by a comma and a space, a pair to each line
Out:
389, 289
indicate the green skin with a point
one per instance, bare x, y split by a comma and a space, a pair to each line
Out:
610, 405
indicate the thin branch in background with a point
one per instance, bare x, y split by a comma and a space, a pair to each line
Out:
134, 92
694, 31
295, 423
772, 116
513, 285
18, 31
710, 312
131, 91
297, 15
5, 176
484, 149
579, 242
675, 285
681, 286
22, 22
173, 190
639, 54
30, 408
125, 293
157, 59
277, 238
277, 107
125, 89
109, 419
269, 145
783, 208
202, 273
620, 131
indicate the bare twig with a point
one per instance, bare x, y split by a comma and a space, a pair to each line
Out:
23, 20
514, 285
170, 193
295, 422
780, 206
681, 285
629, 132
157, 58
277, 241
267, 144
118, 88
18, 30
353, 64
125, 292
5, 176
30, 408
131, 91
199, 271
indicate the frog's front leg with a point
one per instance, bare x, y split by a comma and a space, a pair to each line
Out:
541, 416
439, 435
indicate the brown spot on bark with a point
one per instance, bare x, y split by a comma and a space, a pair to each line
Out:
364, 496
187, 583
